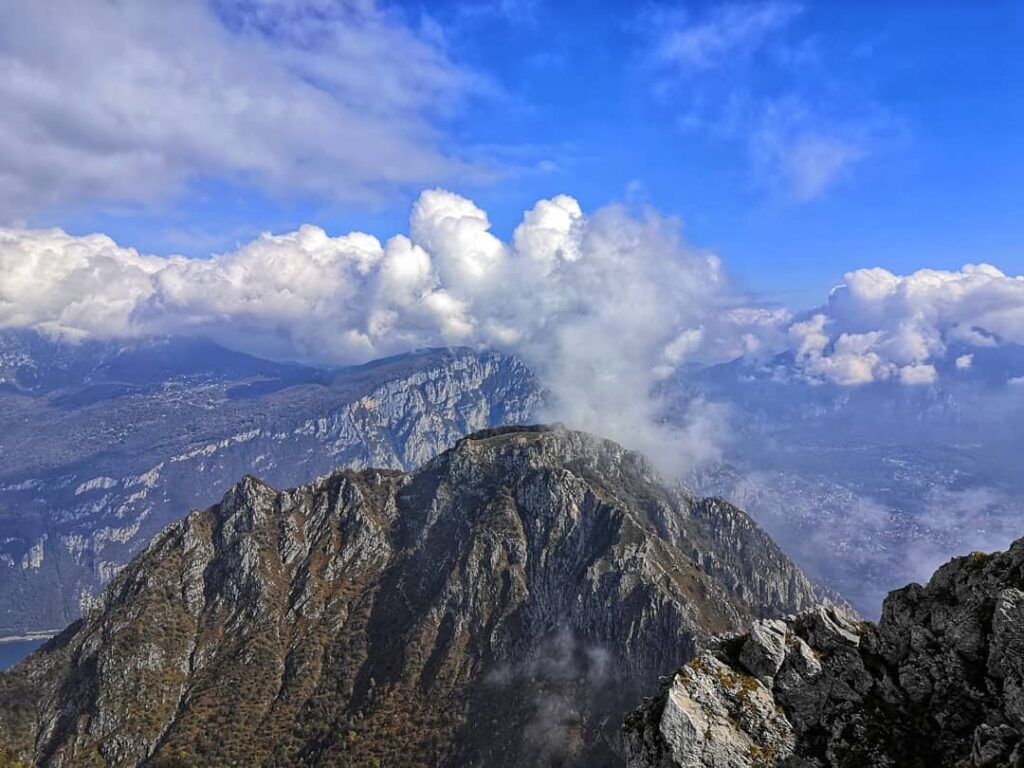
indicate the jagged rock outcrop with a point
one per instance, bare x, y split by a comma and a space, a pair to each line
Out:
938, 682
503, 605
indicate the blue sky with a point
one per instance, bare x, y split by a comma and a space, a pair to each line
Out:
798, 141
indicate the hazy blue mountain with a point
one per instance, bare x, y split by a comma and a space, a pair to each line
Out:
32, 363
104, 443
873, 486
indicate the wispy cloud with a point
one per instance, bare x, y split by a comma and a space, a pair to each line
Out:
744, 73
873, 544
730, 32
514, 12
801, 152
131, 102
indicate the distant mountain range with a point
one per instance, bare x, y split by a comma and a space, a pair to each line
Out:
504, 605
105, 443
872, 486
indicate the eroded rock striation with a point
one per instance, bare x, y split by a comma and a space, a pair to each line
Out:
505, 604
938, 682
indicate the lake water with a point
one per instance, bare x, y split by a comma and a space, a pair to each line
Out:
13, 652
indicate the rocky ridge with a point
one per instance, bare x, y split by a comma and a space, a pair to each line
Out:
938, 682
505, 604
105, 444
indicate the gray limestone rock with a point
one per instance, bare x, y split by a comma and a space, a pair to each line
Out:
938, 683
764, 649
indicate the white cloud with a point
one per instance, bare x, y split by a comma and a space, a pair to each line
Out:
802, 152
601, 306
848, 359
129, 102
878, 325
918, 373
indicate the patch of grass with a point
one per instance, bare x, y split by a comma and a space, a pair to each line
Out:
8, 759
977, 560
763, 757
742, 686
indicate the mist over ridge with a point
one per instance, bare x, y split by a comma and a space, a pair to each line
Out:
604, 307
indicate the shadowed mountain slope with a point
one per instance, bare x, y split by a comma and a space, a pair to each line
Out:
505, 604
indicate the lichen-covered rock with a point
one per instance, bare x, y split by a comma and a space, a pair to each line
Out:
504, 605
939, 682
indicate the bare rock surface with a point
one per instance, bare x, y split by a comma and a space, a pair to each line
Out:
938, 682
504, 605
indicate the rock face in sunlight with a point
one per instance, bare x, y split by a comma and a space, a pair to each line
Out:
106, 443
505, 604
938, 682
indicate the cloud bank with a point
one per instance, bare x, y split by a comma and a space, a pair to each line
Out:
130, 102
880, 326
602, 307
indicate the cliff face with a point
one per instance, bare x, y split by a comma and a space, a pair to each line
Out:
938, 682
111, 444
503, 605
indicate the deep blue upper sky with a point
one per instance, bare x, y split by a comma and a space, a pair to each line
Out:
797, 141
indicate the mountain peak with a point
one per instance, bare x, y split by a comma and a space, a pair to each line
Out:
504, 604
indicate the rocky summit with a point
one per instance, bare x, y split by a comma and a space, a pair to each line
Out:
938, 682
505, 604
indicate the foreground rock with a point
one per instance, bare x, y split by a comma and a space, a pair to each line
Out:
506, 604
938, 682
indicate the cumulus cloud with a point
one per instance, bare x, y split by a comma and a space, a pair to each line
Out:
878, 325
602, 306
849, 359
130, 102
